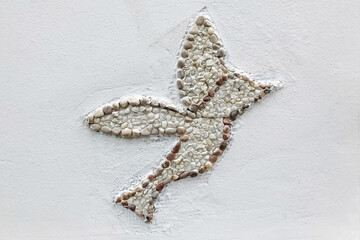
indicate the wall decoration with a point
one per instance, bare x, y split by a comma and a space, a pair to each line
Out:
212, 95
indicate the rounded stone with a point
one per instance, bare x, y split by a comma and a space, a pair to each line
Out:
123, 103
99, 113
126, 132
188, 45
180, 74
154, 195
227, 121
213, 158
145, 183
107, 109
226, 129
184, 54
193, 108
200, 20
226, 136
184, 138
210, 30
177, 147
213, 38
166, 164
183, 175
105, 129
217, 152
223, 145
180, 84
206, 99
216, 46
170, 130
180, 130
175, 177
95, 127
181, 63
220, 53
116, 131
207, 23
170, 156
245, 78
194, 29
160, 187
151, 177
145, 132
208, 165
134, 101
211, 93
234, 114
193, 173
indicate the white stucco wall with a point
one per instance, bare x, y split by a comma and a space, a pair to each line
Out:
292, 171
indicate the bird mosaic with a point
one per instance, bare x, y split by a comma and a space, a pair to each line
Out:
212, 96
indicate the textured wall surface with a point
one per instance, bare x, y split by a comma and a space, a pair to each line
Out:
292, 171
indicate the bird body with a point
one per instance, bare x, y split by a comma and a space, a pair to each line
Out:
212, 96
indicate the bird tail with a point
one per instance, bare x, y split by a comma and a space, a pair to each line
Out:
141, 197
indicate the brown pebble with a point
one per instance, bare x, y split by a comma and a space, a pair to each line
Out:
245, 78
217, 152
184, 138
223, 145
166, 164
124, 203
227, 121
118, 200
226, 129
183, 175
202, 106
226, 136
145, 183
177, 147
213, 158
160, 187
201, 170
151, 177
206, 99
125, 196
234, 114
219, 82
211, 93
170, 156
193, 173
263, 86
193, 108
132, 207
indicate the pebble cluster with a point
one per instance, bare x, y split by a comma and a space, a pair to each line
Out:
212, 97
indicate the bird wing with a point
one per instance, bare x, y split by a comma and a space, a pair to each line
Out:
136, 116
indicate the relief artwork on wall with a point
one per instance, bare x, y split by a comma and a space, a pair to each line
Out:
213, 94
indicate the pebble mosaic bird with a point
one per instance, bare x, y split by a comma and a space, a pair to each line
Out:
212, 96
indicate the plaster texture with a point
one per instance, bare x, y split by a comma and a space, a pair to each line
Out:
292, 171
